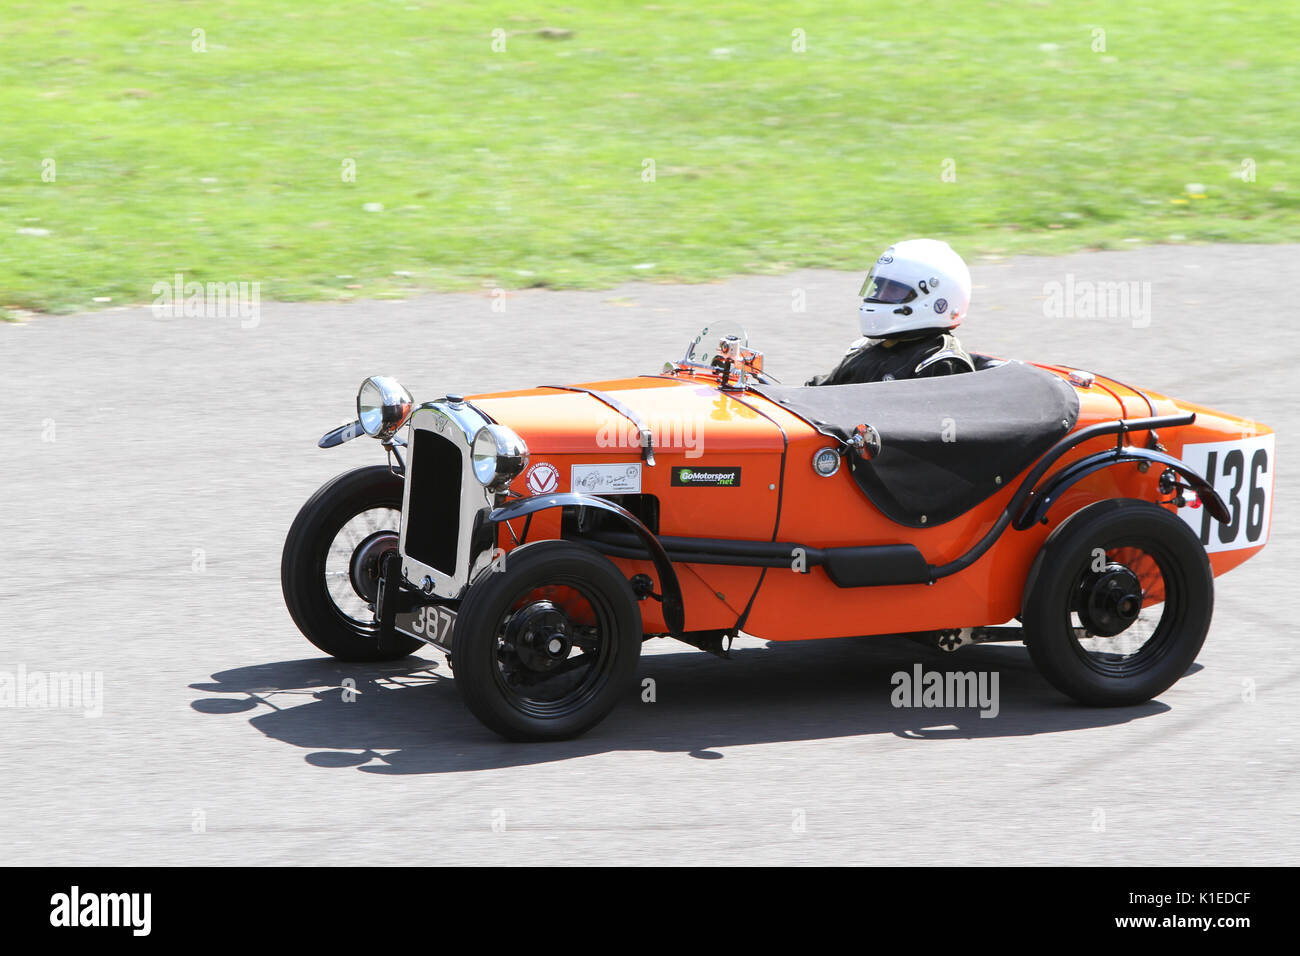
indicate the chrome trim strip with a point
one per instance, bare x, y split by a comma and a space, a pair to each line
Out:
647, 437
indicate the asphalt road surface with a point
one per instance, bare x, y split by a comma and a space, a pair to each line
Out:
152, 465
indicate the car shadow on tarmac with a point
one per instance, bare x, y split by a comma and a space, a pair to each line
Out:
406, 717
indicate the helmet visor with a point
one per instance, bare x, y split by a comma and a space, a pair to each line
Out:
889, 291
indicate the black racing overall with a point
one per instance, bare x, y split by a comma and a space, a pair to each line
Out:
918, 356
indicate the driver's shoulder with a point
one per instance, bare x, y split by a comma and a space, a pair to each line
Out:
858, 344
945, 351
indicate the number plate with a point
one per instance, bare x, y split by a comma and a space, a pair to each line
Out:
430, 623
1242, 473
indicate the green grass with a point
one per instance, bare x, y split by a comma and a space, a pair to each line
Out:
524, 167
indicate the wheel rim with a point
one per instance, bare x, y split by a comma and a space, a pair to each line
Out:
554, 649
1127, 607
352, 562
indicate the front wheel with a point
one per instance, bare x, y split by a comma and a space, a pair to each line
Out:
547, 645
1119, 603
329, 571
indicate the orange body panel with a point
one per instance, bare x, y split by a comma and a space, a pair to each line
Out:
781, 498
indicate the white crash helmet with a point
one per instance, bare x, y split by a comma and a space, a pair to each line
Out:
915, 284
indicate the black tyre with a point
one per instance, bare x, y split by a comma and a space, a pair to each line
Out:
1118, 603
546, 647
329, 570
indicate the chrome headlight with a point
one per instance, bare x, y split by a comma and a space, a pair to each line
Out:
383, 406
499, 455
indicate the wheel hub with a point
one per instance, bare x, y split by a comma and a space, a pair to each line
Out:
1110, 601
539, 633
367, 561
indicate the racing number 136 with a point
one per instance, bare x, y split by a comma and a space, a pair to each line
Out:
1234, 463
1240, 471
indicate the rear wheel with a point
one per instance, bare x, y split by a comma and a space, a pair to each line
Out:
1119, 603
329, 571
546, 647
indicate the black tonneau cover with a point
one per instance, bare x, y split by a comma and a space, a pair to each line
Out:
945, 441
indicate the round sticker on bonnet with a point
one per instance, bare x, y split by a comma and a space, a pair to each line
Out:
542, 478
941, 306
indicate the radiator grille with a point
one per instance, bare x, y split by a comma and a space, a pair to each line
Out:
433, 505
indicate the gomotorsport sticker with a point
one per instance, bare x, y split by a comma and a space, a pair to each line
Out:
706, 477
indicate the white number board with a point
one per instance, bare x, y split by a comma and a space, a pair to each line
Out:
1241, 472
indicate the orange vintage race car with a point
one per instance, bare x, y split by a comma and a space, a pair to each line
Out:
537, 537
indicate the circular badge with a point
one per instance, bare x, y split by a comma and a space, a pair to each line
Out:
826, 462
941, 306
886, 258
542, 478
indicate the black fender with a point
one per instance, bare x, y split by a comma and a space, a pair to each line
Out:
1036, 508
670, 588
1036, 568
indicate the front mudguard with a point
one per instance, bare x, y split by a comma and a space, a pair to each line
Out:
670, 588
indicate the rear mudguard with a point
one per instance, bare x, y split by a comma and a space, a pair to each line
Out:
1036, 508
670, 588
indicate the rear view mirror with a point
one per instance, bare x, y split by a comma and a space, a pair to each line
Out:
865, 442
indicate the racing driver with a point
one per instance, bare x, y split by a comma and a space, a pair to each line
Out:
914, 296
